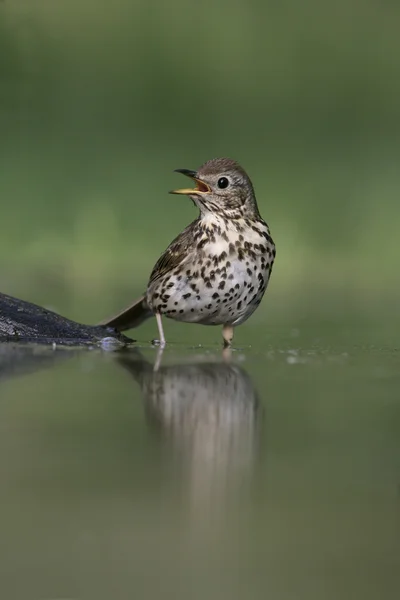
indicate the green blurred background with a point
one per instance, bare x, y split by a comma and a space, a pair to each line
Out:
100, 101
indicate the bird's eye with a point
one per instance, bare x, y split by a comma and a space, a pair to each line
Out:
223, 183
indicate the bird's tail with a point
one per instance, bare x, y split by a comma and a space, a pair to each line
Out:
131, 317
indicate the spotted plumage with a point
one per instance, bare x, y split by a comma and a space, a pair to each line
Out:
216, 271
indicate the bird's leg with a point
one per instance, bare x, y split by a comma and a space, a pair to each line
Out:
160, 330
227, 334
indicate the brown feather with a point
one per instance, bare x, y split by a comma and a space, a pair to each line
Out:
175, 255
133, 316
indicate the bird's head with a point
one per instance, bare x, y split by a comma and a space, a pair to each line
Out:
222, 188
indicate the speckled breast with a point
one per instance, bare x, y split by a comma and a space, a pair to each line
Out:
219, 282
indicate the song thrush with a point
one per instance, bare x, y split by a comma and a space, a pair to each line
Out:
216, 271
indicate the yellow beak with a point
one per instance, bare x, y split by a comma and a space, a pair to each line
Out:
201, 186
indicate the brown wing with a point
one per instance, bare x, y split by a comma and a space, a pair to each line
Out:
177, 253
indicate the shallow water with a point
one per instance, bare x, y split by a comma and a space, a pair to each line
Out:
275, 474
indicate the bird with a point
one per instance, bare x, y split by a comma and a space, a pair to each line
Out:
216, 271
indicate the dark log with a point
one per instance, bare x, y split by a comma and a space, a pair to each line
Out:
26, 322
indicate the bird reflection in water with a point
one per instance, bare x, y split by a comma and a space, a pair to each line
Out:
211, 415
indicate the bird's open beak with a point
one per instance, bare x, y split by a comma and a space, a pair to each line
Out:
201, 187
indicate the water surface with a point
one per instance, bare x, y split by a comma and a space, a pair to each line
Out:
275, 474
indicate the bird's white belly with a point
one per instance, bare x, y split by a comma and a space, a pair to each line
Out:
230, 296
222, 280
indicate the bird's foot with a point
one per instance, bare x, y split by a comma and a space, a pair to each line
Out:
227, 334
